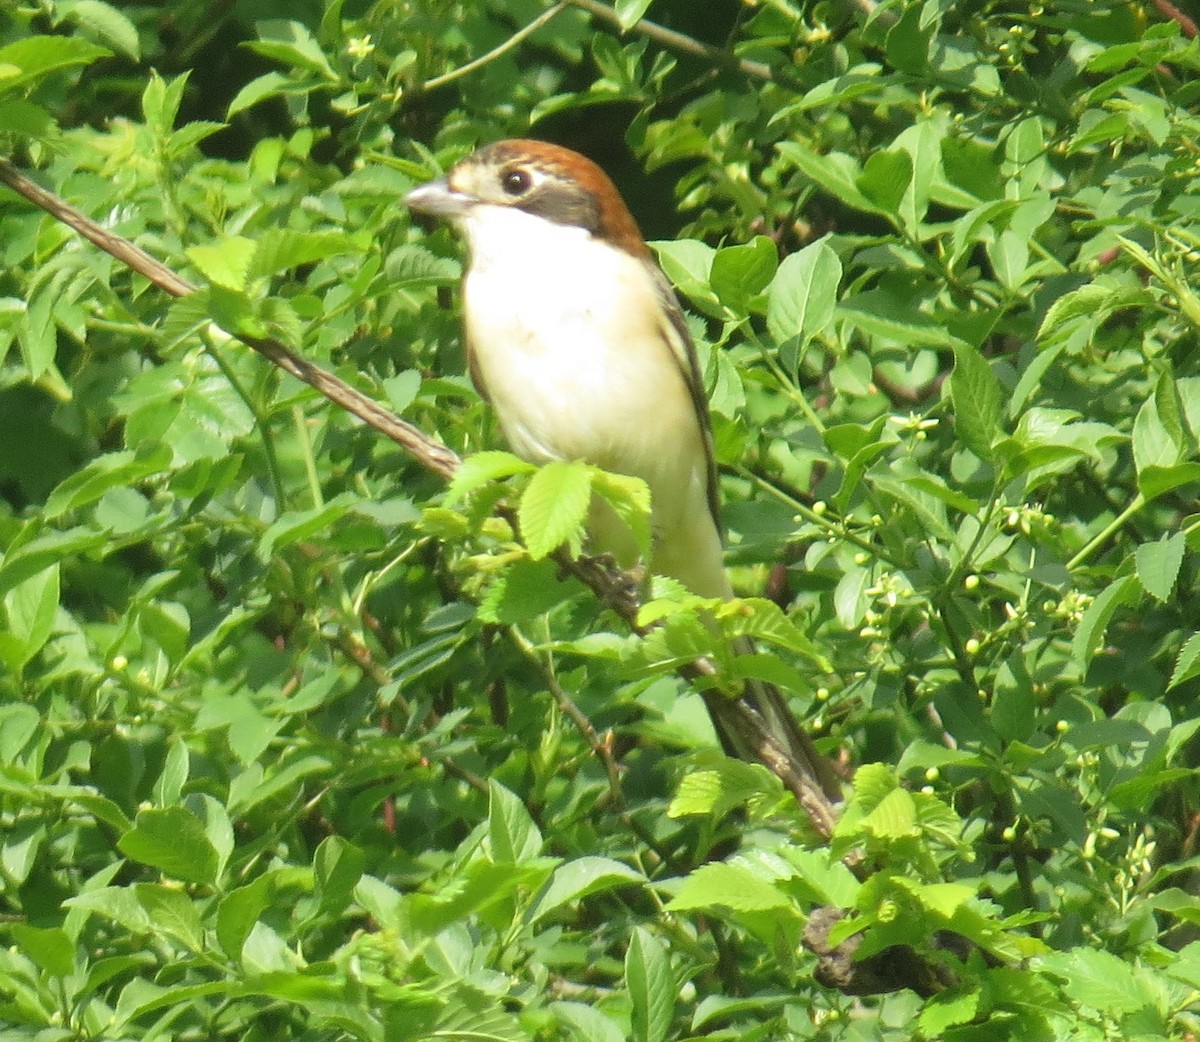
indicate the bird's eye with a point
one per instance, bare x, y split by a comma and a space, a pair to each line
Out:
516, 182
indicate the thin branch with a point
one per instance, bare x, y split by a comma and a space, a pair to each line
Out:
429, 453
676, 41
1186, 24
601, 747
496, 52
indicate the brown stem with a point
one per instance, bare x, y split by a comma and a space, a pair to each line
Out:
675, 41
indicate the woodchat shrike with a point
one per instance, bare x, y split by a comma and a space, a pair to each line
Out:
577, 340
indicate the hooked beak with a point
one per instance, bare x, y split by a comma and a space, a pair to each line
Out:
437, 199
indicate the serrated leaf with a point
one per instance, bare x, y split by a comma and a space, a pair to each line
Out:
881, 315
949, 1008
1187, 662
650, 985
226, 263
291, 43
482, 467
718, 790
1100, 980
280, 249
803, 294
523, 591
894, 817
1090, 633
975, 395
1158, 564
554, 507
721, 885
630, 499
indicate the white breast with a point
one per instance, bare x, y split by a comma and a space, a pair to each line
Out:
566, 335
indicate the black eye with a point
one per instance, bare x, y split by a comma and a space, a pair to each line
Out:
515, 182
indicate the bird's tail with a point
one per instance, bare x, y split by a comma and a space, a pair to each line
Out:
781, 724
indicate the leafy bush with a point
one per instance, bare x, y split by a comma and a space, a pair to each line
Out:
294, 744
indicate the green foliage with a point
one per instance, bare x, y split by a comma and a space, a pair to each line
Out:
296, 742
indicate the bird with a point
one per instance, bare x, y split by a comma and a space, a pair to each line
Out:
576, 338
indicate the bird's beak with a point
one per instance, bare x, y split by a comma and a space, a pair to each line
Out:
437, 199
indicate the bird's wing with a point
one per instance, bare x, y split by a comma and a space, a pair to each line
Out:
683, 350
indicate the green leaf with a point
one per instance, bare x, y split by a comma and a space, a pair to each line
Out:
630, 499
949, 1008
1013, 704
239, 910
512, 834
173, 913
585, 1023
104, 21
480, 468
651, 987
894, 817
297, 525
169, 786
1158, 564
727, 785
629, 12
688, 264
1090, 633
268, 85
34, 57
975, 395
524, 590
885, 179
721, 885
291, 43
111, 470
30, 608
803, 293
741, 272
554, 507
173, 841
837, 173
226, 263
579, 878
1101, 981
1187, 662
882, 315
49, 947
282, 249
337, 867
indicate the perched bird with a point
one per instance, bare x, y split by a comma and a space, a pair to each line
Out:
576, 338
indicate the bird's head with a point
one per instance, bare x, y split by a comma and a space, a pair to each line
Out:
538, 178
